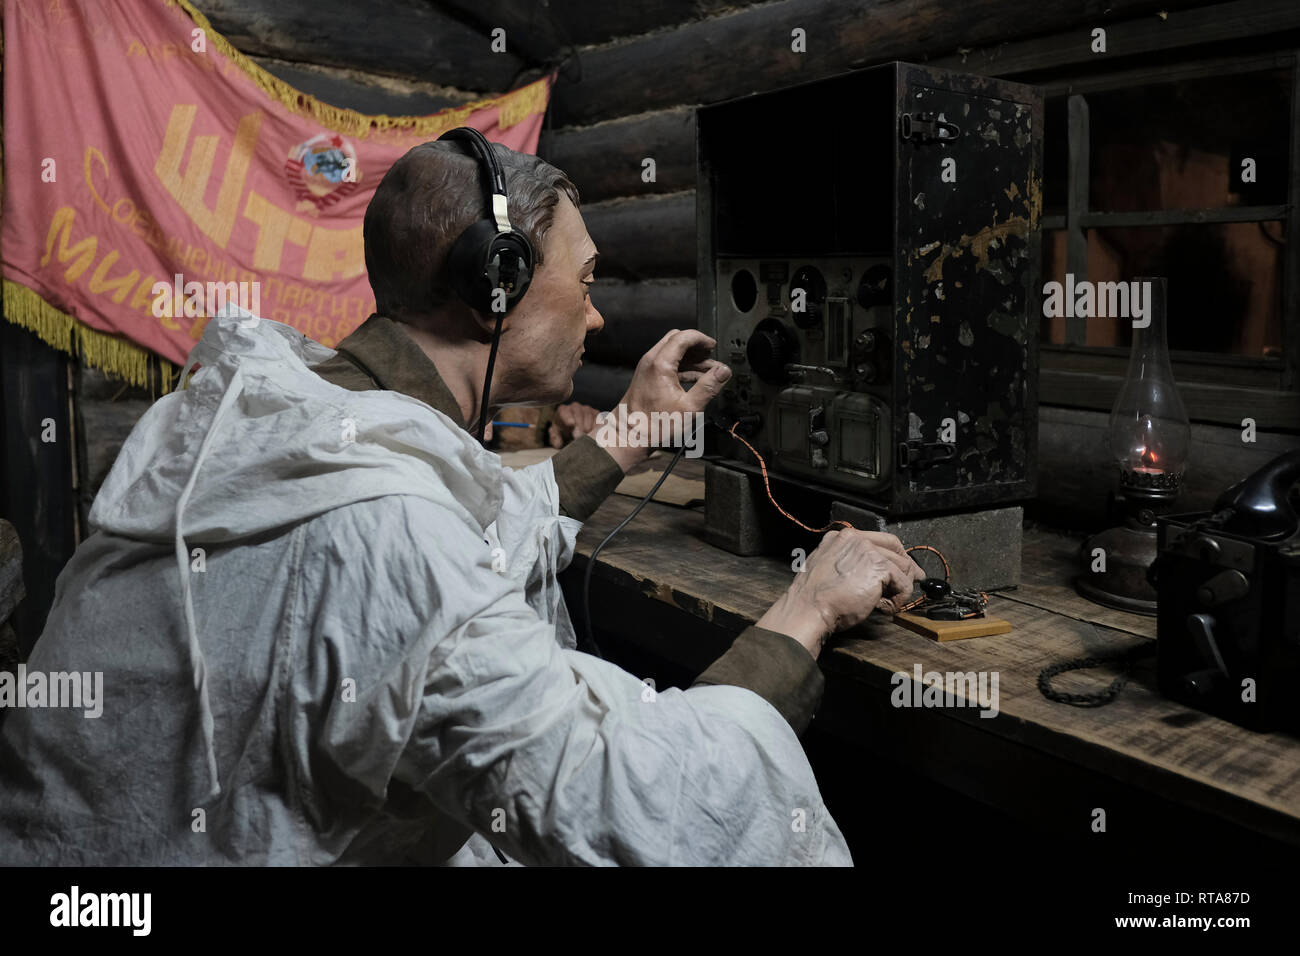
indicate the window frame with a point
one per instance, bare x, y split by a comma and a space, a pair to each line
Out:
1216, 388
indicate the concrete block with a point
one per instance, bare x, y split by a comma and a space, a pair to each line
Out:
731, 510
982, 546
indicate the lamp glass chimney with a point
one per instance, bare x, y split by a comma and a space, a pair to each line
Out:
1149, 433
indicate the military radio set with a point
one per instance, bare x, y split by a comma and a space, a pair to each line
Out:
869, 257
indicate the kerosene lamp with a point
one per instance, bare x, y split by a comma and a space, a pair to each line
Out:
1148, 437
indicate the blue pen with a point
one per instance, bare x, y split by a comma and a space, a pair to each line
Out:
511, 425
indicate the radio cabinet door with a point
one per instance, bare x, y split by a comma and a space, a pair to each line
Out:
966, 322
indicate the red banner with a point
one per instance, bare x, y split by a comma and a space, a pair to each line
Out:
150, 169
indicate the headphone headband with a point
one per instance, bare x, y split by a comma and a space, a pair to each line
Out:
496, 181
479, 144
491, 254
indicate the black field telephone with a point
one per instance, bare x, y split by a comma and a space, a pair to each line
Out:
1229, 602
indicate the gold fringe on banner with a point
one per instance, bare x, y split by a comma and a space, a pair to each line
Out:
129, 361
356, 124
114, 355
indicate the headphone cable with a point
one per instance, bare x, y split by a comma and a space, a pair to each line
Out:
487, 379
591, 561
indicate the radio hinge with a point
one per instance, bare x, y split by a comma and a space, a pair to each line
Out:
927, 128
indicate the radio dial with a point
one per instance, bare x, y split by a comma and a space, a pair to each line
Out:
770, 349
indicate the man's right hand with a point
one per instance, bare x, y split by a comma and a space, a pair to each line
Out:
681, 356
842, 582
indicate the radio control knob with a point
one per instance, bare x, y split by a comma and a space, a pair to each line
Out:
767, 354
770, 349
875, 287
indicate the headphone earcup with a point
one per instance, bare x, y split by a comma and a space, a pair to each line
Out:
472, 253
465, 264
516, 244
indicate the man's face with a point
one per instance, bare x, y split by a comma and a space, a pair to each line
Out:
544, 345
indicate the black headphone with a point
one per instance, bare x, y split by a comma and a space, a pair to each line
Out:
490, 255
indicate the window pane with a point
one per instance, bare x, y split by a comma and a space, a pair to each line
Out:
1182, 145
1225, 283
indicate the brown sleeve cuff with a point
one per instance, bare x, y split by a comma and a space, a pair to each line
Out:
777, 668
545, 415
586, 474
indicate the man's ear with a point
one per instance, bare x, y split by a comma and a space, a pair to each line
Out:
480, 325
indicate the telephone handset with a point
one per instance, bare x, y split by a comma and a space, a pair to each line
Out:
1259, 504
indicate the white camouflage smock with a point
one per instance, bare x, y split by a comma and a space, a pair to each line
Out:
309, 658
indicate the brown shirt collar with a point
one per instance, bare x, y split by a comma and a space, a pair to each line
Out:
385, 352
379, 354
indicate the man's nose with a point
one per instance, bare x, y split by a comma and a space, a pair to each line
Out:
595, 321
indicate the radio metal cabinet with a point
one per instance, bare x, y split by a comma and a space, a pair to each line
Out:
869, 257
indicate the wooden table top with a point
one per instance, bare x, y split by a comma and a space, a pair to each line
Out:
1141, 738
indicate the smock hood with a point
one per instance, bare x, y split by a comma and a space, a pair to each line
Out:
258, 441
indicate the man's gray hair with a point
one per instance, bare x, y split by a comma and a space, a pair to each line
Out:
427, 199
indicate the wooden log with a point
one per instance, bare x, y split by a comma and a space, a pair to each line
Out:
750, 51
606, 160
637, 315
366, 93
1205, 401
397, 38
581, 22
1216, 24
644, 238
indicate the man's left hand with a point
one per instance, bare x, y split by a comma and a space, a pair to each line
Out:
571, 421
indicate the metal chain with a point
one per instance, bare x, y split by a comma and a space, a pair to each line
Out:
1128, 656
